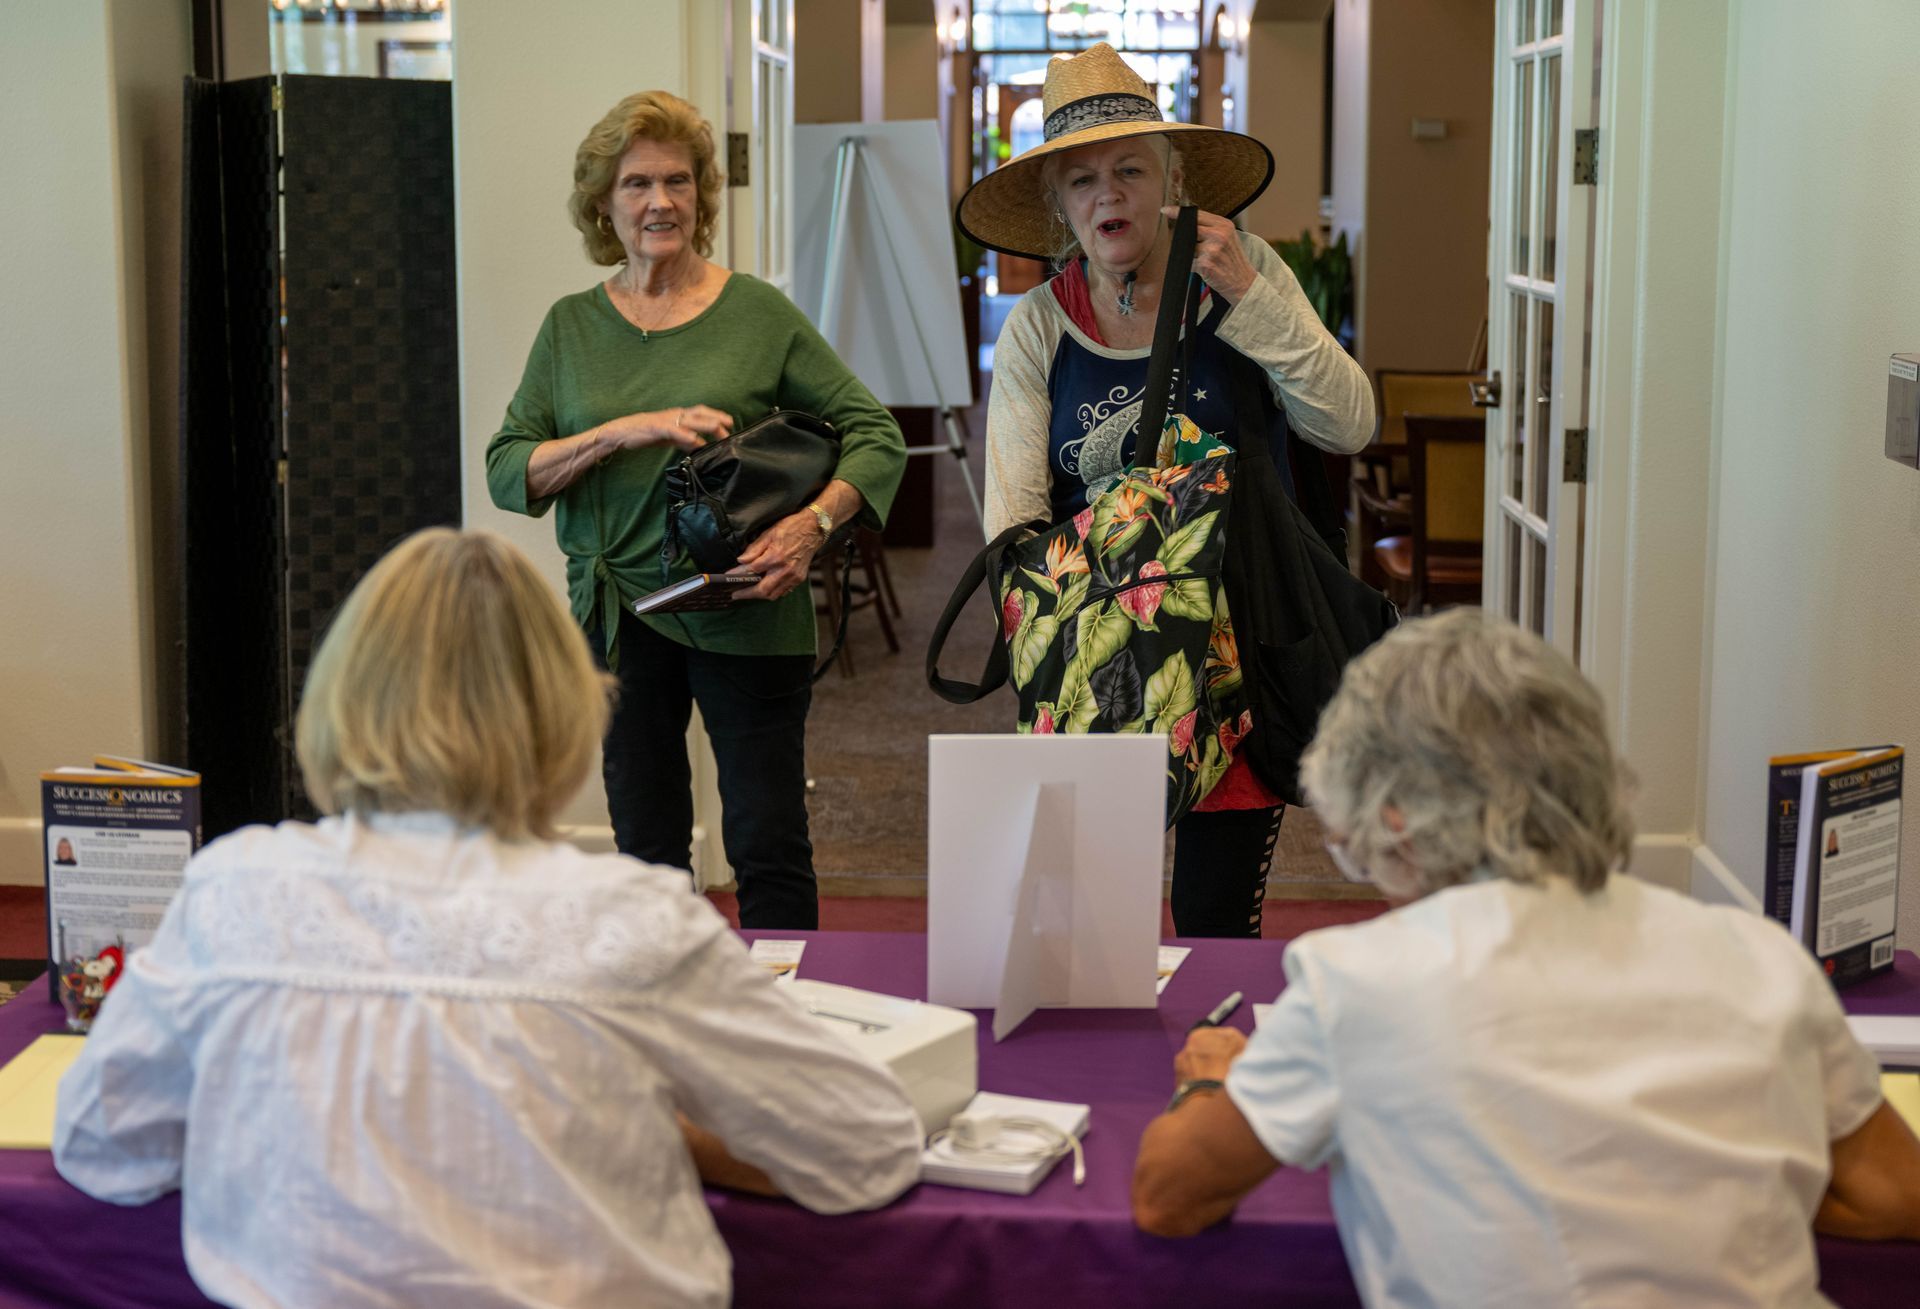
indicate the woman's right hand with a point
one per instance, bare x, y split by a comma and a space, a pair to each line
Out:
688, 428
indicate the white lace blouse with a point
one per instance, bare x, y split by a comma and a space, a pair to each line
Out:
397, 1062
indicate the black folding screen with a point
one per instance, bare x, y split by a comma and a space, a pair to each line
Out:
319, 389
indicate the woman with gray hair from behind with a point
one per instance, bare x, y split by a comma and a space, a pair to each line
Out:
1535, 1081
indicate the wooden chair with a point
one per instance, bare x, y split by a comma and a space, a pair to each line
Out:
1380, 471
872, 588
1437, 561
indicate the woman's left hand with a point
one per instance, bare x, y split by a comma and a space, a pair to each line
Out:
1217, 255
782, 556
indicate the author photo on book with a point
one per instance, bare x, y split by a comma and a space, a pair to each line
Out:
670, 351
1538, 1080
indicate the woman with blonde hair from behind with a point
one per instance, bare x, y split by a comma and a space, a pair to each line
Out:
421, 1052
1537, 1081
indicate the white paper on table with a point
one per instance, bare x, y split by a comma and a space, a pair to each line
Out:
781, 958
1893, 1038
1171, 957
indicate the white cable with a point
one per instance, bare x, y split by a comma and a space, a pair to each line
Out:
986, 1140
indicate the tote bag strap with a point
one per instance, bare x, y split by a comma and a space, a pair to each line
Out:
985, 565
1166, 333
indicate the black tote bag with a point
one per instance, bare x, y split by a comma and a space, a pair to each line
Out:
1298, 613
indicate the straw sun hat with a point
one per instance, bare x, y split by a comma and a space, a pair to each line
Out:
1089, 98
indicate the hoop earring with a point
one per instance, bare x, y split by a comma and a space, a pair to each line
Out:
604, 224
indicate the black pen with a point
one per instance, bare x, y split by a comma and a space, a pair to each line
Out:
1221, 1012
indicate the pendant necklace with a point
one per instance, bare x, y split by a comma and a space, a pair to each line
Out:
673, 298
1125, 302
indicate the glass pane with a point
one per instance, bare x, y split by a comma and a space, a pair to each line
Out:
1550, 171
1522, 416
1522, 164
1556, 16
1510, 564
1537, 566
1524, 12
764, 73
777, 205
1542, 409
361, 38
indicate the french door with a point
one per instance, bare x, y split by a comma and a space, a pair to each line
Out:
1539, 312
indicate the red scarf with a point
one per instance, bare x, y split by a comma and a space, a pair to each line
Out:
1075, 298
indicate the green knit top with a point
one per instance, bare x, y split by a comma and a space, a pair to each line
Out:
751, 351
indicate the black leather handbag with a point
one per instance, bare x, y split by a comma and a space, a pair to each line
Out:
726, 493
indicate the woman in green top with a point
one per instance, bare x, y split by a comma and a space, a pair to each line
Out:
669, 352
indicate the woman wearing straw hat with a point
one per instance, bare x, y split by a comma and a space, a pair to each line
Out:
1097, 197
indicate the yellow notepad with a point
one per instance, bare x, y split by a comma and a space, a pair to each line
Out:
1903, 1093
27, 1087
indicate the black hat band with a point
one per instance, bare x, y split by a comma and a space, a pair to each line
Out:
1100, 110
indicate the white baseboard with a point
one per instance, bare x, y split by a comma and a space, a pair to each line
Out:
1715, 883
22, 861
1663, 858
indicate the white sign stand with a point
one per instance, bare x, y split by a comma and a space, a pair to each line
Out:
1043, 872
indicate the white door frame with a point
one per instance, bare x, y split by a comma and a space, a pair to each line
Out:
1535, 512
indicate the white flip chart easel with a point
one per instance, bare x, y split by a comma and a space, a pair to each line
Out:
1043, 872
873, 266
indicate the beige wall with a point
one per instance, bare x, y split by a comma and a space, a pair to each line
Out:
912, 71
1282, 109
1815, 596
839, 56
89, 135
1426, 251
1415, 211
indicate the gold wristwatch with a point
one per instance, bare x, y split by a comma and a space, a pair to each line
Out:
825, 519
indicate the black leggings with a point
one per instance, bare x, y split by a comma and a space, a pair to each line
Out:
1220, 863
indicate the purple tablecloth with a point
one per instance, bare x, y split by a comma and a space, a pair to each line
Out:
936, 1246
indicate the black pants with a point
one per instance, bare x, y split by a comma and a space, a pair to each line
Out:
1220, 863
755, 711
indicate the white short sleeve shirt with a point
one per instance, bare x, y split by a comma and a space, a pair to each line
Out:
1529, 1097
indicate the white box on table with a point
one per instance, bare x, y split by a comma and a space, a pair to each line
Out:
932, 1049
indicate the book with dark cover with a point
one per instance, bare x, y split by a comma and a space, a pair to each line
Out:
117, 837
1783, 826
1846, 875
